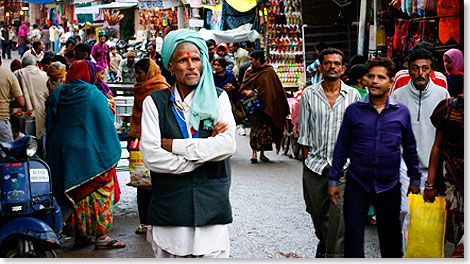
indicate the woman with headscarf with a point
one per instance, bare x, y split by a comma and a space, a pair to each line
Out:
453, 62
83, 149
267, 124
148, 80
22, 38
104, 88
222, 51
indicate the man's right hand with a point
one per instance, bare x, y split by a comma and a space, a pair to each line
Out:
333, 193
117, 79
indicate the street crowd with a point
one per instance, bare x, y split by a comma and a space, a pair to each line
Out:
369, 136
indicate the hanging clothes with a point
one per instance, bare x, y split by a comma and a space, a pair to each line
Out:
449, 27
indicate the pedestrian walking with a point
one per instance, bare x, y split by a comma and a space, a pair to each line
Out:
268, 121
100, 52
321, 112
115, 60
453, 63
314, 68
188, 135
10, 96
225, 79
37, 51
33, 84
448, 118
6, 47
148, 80
82, 156
421, 96
23, 38
371, 134
402, 78
240, 55
126, 72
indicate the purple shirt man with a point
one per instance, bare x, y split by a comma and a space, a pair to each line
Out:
100, 52
372, 142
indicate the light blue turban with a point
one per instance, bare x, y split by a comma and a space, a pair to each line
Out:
204, 104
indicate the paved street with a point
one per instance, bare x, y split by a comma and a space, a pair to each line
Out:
268, 211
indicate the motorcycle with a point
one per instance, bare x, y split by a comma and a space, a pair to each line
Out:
30, 217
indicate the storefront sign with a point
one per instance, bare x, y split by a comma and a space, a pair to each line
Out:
196, 23
160, 4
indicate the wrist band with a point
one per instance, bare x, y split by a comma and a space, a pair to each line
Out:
428, 186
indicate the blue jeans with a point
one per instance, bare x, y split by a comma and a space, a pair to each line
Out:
387, 210
112, 76
6, 50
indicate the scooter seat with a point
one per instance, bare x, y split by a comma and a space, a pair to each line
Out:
14, 144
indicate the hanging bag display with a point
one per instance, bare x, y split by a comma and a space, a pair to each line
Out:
427, 224
401, 31
238, 111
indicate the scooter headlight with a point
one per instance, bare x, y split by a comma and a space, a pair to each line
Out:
31, 148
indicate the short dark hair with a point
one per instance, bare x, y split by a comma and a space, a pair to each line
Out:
417, 54
384, 62
49, 53
35, 26
70, 41
236, 44
83, 47
36, 43
356, 72
143, 64
330, 51
61, 59
426, 46
258, 54
46, 60
112, 48
221, 47
210, 42
222, 61
357, 59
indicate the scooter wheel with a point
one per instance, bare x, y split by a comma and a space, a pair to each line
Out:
26, 248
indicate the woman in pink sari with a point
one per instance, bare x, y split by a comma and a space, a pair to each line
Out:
22, 38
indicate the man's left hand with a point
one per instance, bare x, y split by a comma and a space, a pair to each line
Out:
413, 189
167, 144
219, 128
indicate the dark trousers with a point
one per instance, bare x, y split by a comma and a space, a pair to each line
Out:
6, 51
387, 210
143, 202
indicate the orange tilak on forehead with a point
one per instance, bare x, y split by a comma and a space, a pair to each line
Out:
188, 55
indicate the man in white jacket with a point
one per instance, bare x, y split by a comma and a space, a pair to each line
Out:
421, 96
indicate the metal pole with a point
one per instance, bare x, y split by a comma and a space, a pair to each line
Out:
362, 27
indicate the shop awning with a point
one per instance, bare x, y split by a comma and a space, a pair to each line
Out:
94, 9
40, 2
242, 33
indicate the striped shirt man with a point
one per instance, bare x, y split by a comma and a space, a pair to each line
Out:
319, 123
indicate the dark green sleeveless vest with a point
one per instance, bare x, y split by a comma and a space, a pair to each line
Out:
197, 198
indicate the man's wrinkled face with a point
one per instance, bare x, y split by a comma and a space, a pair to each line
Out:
332, 66
186, 64
420, 71
379, 82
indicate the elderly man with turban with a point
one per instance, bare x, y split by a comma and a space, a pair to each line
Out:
56, 73
187, 137
82, 151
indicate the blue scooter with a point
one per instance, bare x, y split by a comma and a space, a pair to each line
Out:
30, 216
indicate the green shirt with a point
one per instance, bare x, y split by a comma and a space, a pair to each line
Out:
363, 92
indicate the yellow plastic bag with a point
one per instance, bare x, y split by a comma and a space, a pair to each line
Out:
140, 175
427, 228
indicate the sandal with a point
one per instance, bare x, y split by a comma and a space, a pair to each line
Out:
82, 241
142, 229
264, 158
110, 244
